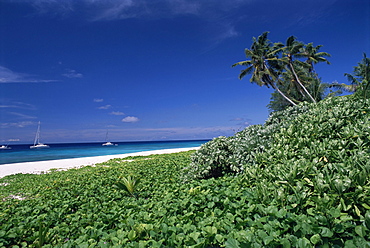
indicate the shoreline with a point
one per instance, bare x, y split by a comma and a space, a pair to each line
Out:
44, 166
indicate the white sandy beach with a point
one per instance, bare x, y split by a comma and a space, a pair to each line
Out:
44, 166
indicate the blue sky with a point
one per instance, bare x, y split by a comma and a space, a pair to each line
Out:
154, 70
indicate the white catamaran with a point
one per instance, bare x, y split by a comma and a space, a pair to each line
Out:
36, 143
5, 147
108, 143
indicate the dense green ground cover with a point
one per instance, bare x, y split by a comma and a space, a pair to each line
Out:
300, 180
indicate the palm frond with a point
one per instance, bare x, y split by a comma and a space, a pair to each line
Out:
290, 41
351, 78
244, 63
129, 184
345, 87
246, 71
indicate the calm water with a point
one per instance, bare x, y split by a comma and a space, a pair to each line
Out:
23, 153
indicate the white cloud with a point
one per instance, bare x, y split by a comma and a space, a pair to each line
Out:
72, 74
98, 100
105, 107
130, 119
16, 105
23, 116
237, 119
123, 9
19, 124
179, 132
117, 113
9, 76
55, 7
110, 10
242, 122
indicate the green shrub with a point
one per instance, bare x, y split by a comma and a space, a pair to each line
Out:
335, 129
311, 160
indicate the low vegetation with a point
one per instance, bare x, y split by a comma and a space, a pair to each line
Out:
311, 161
299, 180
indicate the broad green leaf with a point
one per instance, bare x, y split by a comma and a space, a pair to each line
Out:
334, 212
132, 235
211, 204
232, 243
361, 231
194, 236
211, 230
267, 240
350, 244
326, 232
315, 239
219, 238
285, 243
303, 243
310, 211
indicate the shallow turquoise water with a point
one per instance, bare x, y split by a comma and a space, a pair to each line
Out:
22, 153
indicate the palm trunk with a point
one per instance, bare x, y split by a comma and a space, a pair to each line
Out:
299, 82
270, 82
282, 94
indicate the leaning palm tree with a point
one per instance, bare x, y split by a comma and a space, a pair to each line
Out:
292, 49
259, 55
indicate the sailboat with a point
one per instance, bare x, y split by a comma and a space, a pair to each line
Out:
36, 143
5, 147
108, 143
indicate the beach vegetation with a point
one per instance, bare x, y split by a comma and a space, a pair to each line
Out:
44, 237
299, 180
313, 158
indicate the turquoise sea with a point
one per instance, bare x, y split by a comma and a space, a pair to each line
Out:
23, 153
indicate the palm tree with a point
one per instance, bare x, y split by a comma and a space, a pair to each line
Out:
361, 72
293, 49
361, 76
359, 79
259, 55
313, 56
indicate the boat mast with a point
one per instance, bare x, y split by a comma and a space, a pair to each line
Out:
37, 138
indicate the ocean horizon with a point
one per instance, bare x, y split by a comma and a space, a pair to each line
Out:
22, 153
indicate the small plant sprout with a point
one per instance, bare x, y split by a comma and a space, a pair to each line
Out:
129, 184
